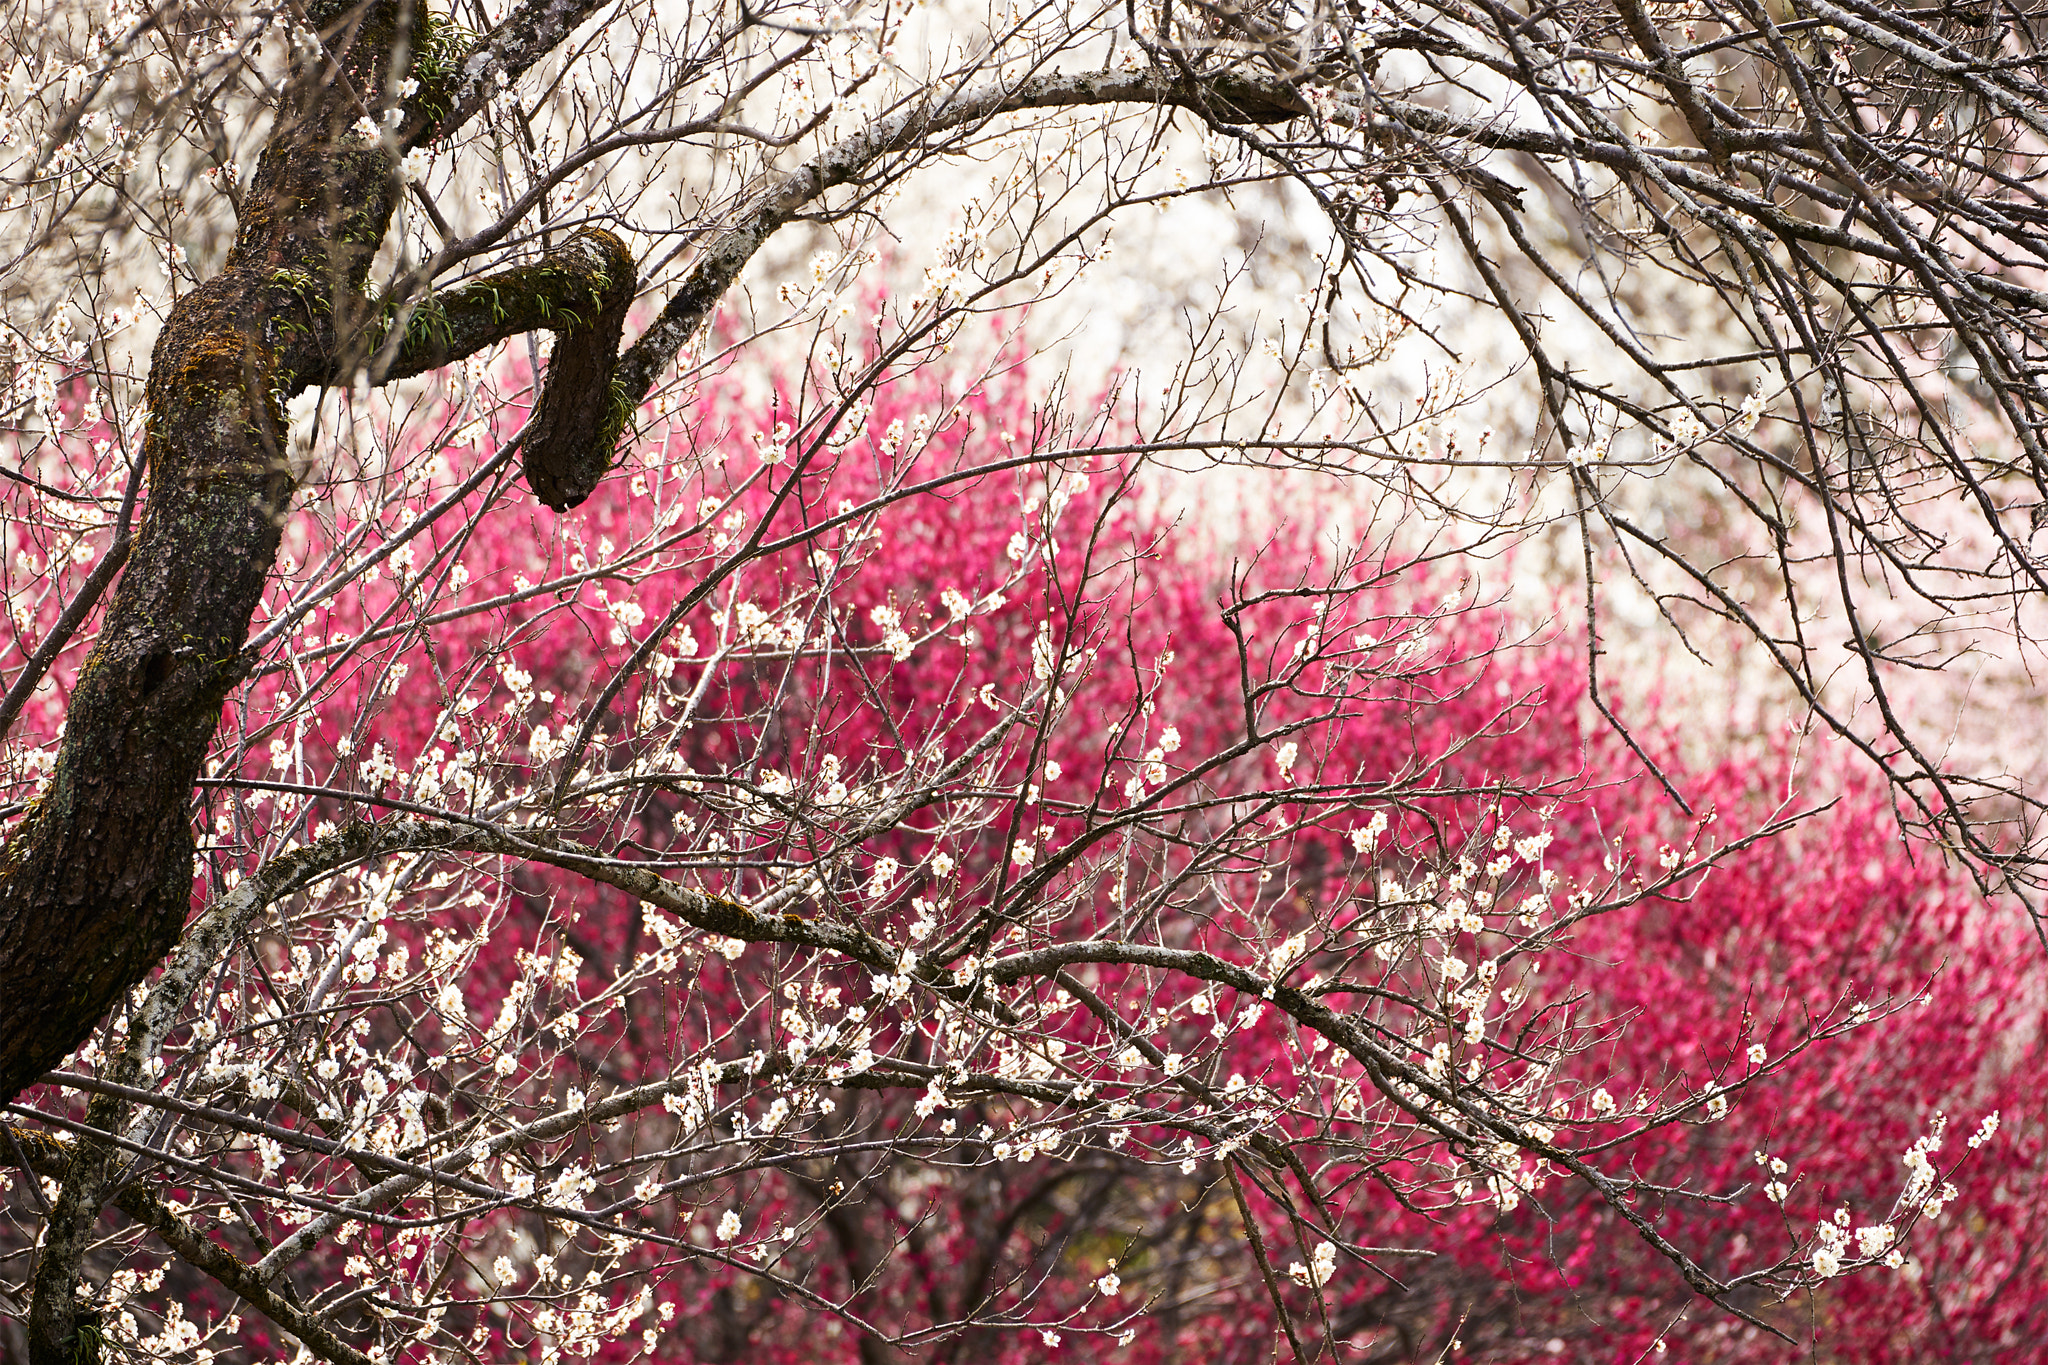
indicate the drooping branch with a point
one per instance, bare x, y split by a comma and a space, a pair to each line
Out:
581, 291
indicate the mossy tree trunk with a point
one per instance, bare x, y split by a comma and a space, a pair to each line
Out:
96, 880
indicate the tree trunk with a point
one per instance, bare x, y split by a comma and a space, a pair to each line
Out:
96, 881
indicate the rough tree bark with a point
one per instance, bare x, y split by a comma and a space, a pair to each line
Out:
96, 881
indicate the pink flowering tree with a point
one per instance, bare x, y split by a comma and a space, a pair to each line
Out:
885, 891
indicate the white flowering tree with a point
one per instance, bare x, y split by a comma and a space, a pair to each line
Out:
445, 927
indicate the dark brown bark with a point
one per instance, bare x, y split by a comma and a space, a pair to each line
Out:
581, 292
96, 880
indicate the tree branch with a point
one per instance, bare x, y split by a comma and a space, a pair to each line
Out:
580, 292
1228, 98
47, 1157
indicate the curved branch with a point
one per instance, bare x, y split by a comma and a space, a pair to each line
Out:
580, 291
1230, 98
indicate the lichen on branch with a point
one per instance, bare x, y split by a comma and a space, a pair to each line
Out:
580, 291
